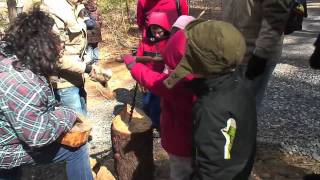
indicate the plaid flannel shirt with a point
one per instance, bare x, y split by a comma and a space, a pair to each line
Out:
29, 118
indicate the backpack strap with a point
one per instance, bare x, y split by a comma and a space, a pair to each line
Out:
178, 7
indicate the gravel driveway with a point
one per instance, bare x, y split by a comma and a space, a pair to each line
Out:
291, 108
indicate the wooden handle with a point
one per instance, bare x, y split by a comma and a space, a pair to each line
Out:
148, 59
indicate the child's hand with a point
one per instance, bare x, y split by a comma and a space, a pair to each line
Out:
129, 60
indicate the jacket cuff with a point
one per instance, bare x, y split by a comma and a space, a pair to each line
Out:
88, 69
130, 65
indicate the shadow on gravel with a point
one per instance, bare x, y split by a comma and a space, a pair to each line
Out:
271, 163
117, 109
305, 33
311, 177
125, 96
104, 158
122, 95
52, 171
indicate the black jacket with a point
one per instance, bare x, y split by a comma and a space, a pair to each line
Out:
220, 100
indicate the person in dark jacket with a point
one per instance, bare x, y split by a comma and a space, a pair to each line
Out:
315, 57
224, 115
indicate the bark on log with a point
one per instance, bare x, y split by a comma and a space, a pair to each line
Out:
132, 144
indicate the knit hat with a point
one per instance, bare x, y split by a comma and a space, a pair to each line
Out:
213, 47
183, 21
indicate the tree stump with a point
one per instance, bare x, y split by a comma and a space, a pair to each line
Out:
132, 144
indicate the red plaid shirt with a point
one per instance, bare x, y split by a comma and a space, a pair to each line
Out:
29, 118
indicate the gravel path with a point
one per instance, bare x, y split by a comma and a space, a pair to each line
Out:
291, 108
101, 112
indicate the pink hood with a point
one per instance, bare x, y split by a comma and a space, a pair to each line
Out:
175, 49
146, 7
161, 19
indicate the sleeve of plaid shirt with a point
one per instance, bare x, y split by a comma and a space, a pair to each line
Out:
33, 120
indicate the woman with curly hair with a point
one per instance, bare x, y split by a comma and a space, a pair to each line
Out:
31, 123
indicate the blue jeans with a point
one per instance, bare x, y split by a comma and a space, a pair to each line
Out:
77, 162
93, 52
151, 106
259, 84
73, 97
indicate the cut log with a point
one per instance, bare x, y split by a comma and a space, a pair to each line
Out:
104, 174
132, 144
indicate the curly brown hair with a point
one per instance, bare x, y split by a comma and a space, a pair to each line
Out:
31, 39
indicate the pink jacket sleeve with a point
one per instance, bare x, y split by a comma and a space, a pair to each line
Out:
150, 79
140, 49
184, 7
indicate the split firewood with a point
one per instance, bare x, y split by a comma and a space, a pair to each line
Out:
104, 174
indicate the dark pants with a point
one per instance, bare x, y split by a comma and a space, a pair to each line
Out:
77, 162
151, 106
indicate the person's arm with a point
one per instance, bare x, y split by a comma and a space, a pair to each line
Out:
150, 79
32, 114
73, 65
275, 15
140, 49
184, 7
64, 18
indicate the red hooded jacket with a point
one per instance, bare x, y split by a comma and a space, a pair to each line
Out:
155, 48
146, 7
176, 103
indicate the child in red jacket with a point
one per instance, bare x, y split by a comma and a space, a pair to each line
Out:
152, 45
176, 106
174, 9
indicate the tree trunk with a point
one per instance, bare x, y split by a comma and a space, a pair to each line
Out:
132, 144
12, 12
